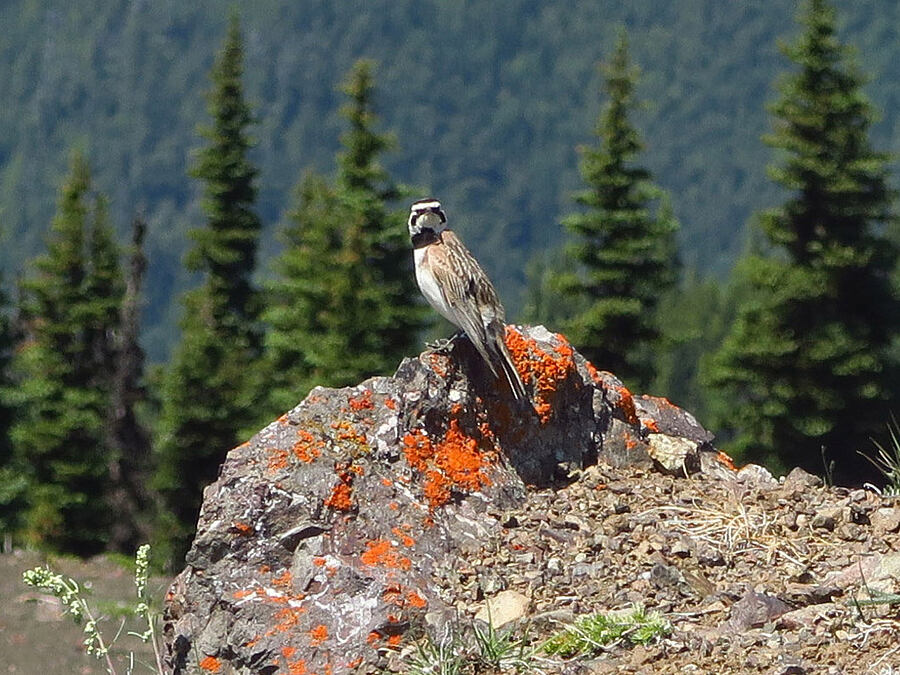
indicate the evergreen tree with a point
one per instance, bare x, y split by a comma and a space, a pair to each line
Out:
209, 392
64, 368
805, 366
344, 305
624, 248
129, 438
12, 480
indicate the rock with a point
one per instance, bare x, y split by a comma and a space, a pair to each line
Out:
757, 475
806, 617
800, 480
755, 610
885, 519
343, 527
504, 608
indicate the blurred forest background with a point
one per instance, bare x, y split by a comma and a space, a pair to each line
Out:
136, 122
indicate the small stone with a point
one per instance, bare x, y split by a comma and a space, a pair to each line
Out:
821, 521
503, 608
755, 610
885, 519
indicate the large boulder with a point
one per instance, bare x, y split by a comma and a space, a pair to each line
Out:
324, 541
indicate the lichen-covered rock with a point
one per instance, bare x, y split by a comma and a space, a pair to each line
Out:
319, 545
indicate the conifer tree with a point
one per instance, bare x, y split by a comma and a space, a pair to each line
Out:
806, 365
209, 393
128, 437
12, 479
623, 242
344, 305
64, 369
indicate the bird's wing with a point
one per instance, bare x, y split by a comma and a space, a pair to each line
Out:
467, 290
479, 291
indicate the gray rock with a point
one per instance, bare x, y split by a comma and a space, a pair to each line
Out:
334, 530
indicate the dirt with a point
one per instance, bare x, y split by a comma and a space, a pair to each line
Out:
37, 639
755, 575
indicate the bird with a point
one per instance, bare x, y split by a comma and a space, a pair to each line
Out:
457, 287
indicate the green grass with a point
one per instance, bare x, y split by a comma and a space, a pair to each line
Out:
887, 459
593, 633
488, 651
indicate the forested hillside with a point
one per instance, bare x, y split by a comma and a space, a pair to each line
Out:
488, 102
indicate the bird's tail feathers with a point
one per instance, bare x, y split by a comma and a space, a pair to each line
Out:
503, 358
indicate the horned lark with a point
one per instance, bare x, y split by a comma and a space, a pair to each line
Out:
457, 287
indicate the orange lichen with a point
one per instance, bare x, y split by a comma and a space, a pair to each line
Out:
417, 448
454, 463
318, 561
438, 364
288, 652
297, 667
283, 580
318, 635
724, 459
287, 619
387, 482
341, 497
307, 448
242, 528
416, 600
390, 403
544, 369
277, 459
211, 664
381, 553
373, 638
624, 401
394, 506
592, 371
651, 425
283, 419
404, 538
347, 432
362, 402
395, 640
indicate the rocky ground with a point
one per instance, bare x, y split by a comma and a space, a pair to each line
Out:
756, 575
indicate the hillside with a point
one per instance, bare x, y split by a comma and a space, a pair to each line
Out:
488, 102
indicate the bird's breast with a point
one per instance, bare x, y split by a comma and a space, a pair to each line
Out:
429, 286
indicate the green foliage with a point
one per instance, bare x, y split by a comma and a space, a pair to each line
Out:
12, 482
593, 633
625, 249
209, 392
343, 305
75, 604
64, 369
887, 459
693, 319
807, 364
488, 651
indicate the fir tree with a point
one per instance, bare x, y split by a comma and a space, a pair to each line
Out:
12, 479
64, 369
344, 305
209, 392
128, 437
624, 249
806, 365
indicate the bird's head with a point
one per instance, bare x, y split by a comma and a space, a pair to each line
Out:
426, 215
